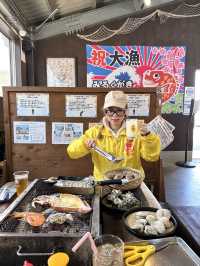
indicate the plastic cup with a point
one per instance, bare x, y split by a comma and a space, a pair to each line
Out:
21, 181
110, 251
132, 129
58, 259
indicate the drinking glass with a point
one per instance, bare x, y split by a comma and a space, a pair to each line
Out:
21, 181
110, 250
131, 128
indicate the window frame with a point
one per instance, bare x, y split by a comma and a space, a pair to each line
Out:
15, 53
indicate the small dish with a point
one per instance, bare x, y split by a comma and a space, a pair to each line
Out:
148, 210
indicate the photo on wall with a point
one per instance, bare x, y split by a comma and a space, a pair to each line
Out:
61, 72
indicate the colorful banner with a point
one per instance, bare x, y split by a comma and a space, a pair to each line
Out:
139, 67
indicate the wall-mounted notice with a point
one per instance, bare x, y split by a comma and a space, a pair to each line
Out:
188, 96
32, 104
81, 105
64, 133
29, 132
138, 105
61, 72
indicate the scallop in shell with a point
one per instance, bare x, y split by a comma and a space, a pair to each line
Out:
159, 227
141, 221
140, 214
163, 213
59, 218
151, 218
150, 230
167, 223
137, 226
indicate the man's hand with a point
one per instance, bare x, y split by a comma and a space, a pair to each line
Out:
90, 143
144, 131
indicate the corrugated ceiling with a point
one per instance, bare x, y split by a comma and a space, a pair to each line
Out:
35, 11
67, 15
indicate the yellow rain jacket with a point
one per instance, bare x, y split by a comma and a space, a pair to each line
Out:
147, 147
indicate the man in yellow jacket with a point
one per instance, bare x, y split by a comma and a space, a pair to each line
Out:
112, 138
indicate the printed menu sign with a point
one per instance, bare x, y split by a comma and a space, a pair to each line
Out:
32, 104
138, 105
64, 133
81, 105
29, 132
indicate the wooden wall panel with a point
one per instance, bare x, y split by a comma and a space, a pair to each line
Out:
174, 32
44, 160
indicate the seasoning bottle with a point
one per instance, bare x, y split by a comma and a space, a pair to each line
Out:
58, 259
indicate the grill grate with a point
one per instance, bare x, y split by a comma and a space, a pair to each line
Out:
80, 225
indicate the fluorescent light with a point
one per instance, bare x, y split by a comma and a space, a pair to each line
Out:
22, 33
147, 2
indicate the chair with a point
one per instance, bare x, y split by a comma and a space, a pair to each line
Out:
3, 172
154, 178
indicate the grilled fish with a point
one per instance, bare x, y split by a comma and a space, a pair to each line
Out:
63, 203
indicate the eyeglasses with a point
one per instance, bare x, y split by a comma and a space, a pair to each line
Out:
118, 112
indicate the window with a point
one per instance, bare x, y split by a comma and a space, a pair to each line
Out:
196, 130
5, 62
197, 95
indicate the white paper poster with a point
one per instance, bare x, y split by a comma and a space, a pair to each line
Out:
138, 104
29, 132
61, 72
32, 104
64, 133
81, 105
189, 95
164, 129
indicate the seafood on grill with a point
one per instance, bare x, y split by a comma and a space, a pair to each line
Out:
32, 218
151, 222
126, 173
59, 218
63, 203
43, 200
123, 200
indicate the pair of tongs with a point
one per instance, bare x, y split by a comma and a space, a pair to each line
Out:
107, 155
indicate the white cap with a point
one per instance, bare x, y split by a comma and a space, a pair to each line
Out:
116, 99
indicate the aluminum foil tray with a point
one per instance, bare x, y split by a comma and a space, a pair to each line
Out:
178, 253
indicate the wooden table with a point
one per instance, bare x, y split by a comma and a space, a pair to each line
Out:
189, 225
112, 223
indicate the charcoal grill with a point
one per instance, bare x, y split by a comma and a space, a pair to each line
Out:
82, 222
15, 233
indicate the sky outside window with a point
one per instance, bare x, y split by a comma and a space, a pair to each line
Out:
5, 77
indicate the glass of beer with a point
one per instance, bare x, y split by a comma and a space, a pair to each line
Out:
21, 181
132, 128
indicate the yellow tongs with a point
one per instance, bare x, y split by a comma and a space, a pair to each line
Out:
137, 254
